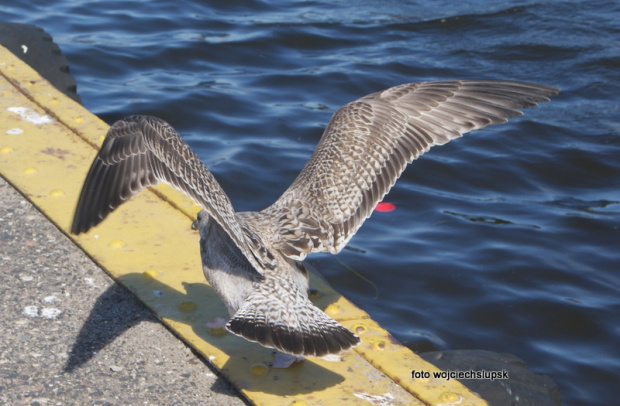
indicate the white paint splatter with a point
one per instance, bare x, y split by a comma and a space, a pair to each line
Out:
386, 400
14, 131
30, 115
50, 313
31, 311
91, 282
25, 48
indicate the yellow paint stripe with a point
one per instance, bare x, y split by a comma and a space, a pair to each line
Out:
148, 246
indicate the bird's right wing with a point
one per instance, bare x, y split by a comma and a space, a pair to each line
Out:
369, 142
141, 151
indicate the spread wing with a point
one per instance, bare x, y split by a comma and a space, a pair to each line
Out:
369, 142
141, 151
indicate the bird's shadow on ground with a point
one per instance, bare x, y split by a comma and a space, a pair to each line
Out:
115, 311
118, 310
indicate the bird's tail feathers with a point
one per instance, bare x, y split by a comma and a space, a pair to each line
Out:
291, 324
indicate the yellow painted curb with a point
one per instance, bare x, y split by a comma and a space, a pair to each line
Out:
47, 143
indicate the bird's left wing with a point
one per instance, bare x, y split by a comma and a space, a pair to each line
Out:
141, 151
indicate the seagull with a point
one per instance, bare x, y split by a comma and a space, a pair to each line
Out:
253, 260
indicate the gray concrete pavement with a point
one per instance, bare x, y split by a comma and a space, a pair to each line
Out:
69, 335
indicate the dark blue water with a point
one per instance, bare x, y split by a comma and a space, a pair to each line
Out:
505, 240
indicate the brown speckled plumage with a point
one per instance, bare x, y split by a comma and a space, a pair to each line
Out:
251, 258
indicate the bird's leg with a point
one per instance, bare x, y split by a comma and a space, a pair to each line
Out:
283, 361
217, 323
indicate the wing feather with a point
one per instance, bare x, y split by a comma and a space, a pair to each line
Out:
142, 151
369, 142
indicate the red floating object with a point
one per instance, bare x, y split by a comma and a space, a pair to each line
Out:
384, 207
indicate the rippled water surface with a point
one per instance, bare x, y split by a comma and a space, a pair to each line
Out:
505, 240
